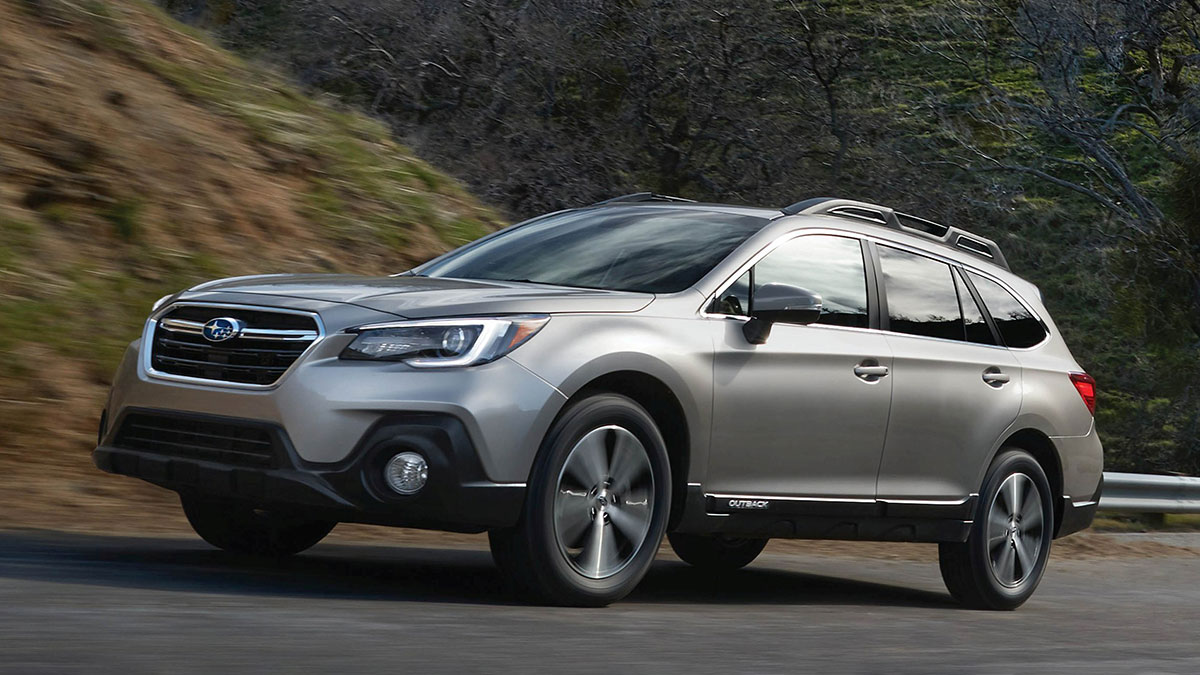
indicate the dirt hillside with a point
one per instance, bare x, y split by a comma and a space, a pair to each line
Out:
136, 159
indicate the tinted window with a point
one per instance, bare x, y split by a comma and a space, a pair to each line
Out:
921, 298
977, 327
735, 299
831, 267
654, 250
1017, 325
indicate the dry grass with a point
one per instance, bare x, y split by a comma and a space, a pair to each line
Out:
137, 159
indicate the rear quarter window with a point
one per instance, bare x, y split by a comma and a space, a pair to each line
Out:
1017, 325
977, 327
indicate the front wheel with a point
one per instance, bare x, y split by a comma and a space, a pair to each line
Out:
1003, 559
243, 529
596, 508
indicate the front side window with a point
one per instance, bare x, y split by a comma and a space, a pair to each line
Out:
830, 266
921, 297
734, 300
1017, 325
650, 249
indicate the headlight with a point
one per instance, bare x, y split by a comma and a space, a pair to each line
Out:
443, 343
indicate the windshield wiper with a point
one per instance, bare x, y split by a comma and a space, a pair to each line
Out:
560, 285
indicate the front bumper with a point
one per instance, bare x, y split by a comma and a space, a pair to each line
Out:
327, 405
457, 497
335, 423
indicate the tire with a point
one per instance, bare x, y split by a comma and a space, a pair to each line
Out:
242, 529
717, 553
1002, 561
596, 508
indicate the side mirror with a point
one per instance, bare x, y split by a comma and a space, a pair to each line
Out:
780, 303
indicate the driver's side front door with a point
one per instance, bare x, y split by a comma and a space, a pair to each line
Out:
805, 414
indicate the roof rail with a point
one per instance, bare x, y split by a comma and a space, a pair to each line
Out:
643, 197
886, 217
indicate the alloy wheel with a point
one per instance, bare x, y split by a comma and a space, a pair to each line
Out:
1014, 530
604, 501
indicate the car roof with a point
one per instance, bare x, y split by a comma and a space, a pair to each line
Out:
874, 216
782, 222
733, 209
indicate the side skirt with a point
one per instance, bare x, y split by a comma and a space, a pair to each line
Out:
820, 518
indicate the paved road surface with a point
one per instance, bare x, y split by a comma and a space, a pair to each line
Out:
84, 604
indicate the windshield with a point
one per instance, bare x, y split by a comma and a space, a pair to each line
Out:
652, 250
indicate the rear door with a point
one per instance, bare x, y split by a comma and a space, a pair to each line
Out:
954, 389
805, 414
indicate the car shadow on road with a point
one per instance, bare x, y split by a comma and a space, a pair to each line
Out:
368, 572
677, 583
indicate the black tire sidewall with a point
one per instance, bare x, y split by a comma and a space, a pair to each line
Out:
561, 582
1010, 461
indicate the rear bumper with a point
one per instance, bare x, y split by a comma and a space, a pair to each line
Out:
457, 497
1082, 459
1078, 515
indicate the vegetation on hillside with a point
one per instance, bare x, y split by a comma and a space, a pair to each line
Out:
137, 159
1065, 129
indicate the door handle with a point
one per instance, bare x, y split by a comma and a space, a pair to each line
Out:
870, 372
994, 377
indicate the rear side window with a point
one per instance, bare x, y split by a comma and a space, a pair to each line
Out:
977, 328
829, 266
1017, 325
921, 297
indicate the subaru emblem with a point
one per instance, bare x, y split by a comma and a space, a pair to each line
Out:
222, 329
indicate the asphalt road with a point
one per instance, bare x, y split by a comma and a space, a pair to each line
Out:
86, 604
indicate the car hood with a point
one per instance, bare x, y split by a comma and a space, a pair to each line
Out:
423, 297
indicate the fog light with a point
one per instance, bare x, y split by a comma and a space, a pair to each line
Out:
406, 473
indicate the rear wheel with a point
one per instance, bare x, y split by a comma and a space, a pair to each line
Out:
596, 508
718, 553
1003, 559
243, 529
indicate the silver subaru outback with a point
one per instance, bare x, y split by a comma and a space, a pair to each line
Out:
585, 383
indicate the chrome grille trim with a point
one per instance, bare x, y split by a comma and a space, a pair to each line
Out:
197, 328
185, 327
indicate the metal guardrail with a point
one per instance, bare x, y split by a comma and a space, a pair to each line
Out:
1146, 493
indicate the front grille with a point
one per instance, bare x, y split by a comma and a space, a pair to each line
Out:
269, 344
225, 441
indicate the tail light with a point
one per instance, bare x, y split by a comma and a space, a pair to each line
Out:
1086, 386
